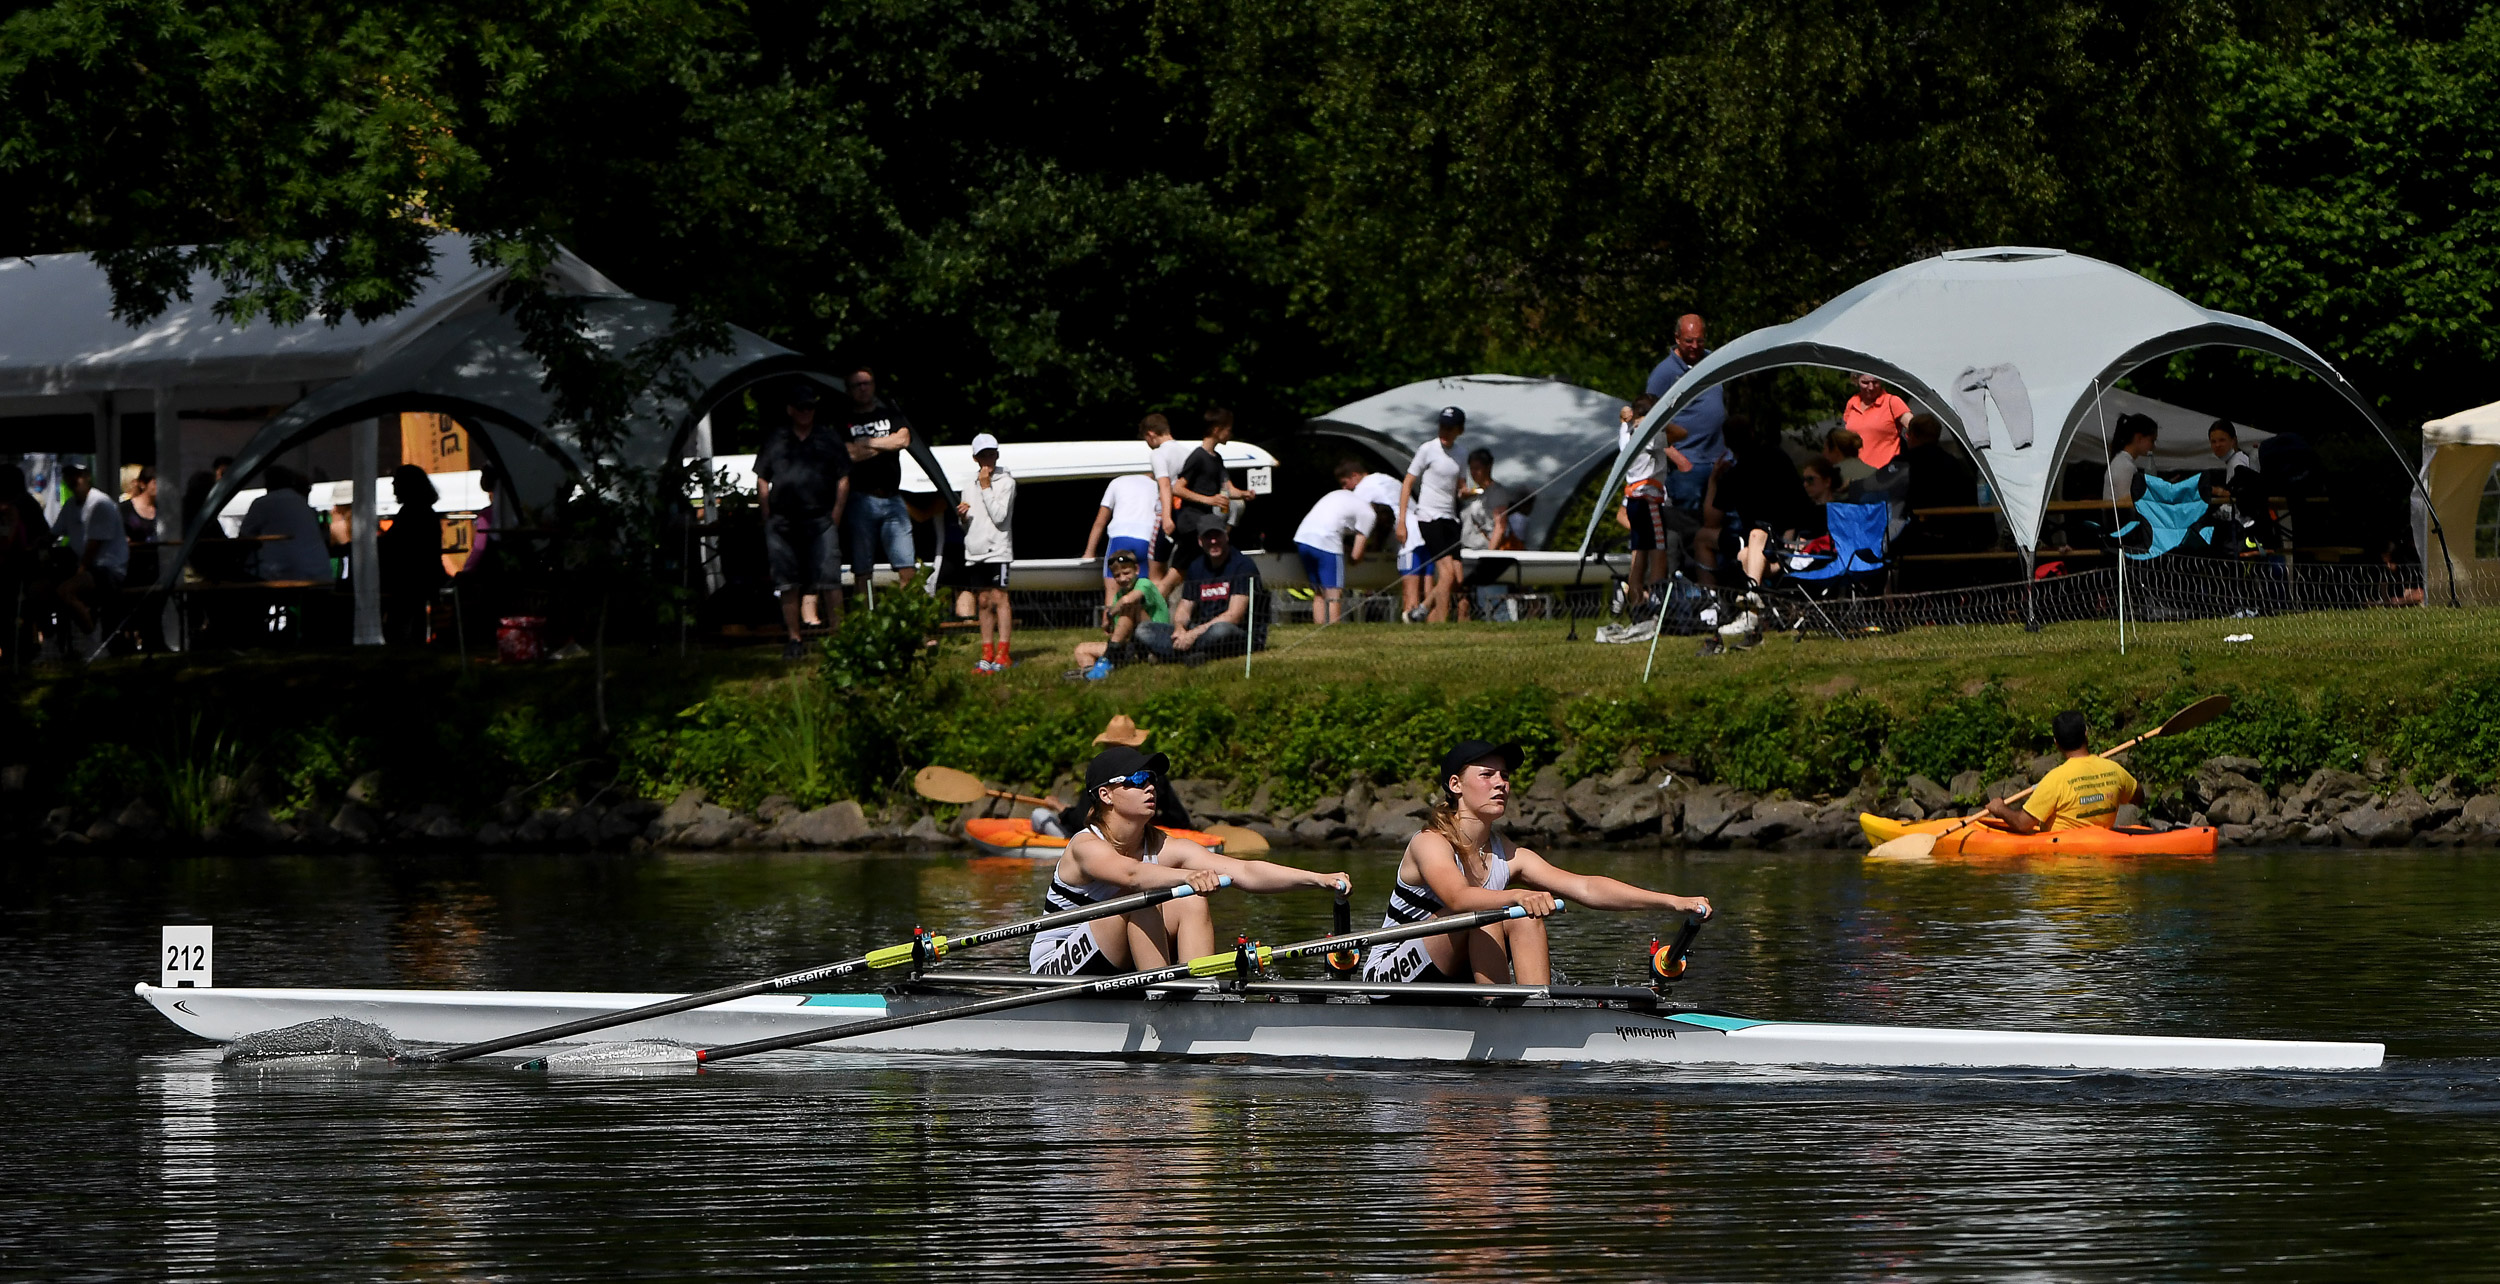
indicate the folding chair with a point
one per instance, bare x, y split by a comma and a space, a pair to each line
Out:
1859, 537
2168, 513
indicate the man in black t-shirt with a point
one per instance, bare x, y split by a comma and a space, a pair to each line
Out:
1202, 491
878, 432
802, 480
1213, 612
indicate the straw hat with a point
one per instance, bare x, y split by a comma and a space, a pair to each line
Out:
1122, 730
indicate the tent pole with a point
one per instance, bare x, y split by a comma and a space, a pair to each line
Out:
364, 570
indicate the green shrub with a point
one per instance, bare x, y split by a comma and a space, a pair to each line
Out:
1952, 734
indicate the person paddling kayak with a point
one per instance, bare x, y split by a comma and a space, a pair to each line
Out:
2085, 790
1120, 852
1460, 863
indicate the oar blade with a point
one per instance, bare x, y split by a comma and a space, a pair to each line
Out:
1239, 841
1915, 846
947, 785
630, 1055
2195, 715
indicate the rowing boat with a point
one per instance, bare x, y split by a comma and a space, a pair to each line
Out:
1005, 836
1261, 1020
1956, 837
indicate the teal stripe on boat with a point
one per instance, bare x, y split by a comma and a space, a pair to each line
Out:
1707, 1021
876, 1001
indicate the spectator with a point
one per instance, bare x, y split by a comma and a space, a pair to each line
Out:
2132, 440
290, 547
1490, 518
1877, 417
1201, 492
1658, 529
1428, 508
989, 514
2238, 475
875, 520
216, 557
1821, 479
1938, 480
1844, 452
1212, 616
1755, 490
1135, 602
1380, 490
138, 514
92, 527
1131, 514
1164, 457
1321, 540
1704, 421
410, 555
803, 484
23, 538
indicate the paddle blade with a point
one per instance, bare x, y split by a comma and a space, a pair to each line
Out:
947, 785
2195, 715
1917, 846
633, 1054
1239, 841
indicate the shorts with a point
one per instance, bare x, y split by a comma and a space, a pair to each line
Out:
1071, 951
1400, 962
804, 554
1184, 551
878, 524
1324, 569
1162, 554
1144, 549
1648, 514
1412, 563
984, 575
1440, 538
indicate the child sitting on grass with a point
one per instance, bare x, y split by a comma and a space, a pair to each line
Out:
1136, 601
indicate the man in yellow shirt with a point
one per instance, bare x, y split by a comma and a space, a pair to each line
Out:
2085, 790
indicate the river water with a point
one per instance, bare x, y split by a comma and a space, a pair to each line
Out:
132, 1152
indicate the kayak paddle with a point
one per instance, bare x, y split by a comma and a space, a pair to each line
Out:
1226, 964
931, 947
1921, 845
947, 785
1238, 841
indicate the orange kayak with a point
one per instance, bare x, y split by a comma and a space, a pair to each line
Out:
1982, 839
1003, 836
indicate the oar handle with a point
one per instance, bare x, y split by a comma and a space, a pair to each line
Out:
1012, 796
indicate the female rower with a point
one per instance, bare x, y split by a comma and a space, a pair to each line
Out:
1461, 864
1121, 853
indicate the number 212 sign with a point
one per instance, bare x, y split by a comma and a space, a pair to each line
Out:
186, 955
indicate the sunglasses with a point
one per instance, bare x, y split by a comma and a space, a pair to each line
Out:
1140, 779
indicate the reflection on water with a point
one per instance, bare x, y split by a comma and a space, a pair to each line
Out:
139, 1154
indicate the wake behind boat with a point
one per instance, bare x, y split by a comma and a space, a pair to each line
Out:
1263, 1020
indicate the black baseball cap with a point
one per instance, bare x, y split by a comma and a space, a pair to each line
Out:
1468, 751
802, 393
1123, 760
1453, 415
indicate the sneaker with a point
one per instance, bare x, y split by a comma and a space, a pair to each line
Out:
1711, 645
1101, 670
1417, 615
794, 650
1610, 633
1639, 630
984, 666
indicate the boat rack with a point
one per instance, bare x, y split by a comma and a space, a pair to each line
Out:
1631, 998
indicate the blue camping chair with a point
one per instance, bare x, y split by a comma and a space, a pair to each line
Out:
1858, 534
2169, 512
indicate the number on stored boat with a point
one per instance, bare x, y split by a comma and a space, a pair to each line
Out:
187, 957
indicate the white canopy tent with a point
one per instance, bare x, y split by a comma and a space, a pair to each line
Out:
2015, 349
1542, 432
2461, 482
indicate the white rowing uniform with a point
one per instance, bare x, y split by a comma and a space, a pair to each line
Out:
1407, 960
1072, 950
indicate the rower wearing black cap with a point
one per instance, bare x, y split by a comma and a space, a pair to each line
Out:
1460, 863
1120, 852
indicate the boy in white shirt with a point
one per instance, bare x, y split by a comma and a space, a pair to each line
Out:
1131, 514
1339, 514
1428, 507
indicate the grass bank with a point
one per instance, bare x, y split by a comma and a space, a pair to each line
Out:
2416, 692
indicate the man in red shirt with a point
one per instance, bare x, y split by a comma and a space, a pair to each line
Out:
1877, 417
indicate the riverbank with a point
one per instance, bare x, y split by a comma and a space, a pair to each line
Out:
2373, 728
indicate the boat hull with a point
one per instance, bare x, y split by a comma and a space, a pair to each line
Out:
1224, 1025
1014, 836
1982, 840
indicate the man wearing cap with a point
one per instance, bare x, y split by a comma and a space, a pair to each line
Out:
1211, 615
1461, 863
988, 511
878, 432
1428, 505
802, 482
1120, 852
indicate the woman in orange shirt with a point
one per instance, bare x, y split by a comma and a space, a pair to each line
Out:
1877, 417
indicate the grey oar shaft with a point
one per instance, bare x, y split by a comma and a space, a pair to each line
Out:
892, 956
1211, 965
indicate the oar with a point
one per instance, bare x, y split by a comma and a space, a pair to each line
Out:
936, 947
947, 785
1919, 845
1211, 965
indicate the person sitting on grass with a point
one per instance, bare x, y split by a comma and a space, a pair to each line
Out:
1135, 602
1211, 615
2084, 791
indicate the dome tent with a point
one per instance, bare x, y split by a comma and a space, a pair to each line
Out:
2461, 484
2013, 348
1544, 434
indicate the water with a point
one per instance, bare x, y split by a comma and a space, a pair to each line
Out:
133, 1152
